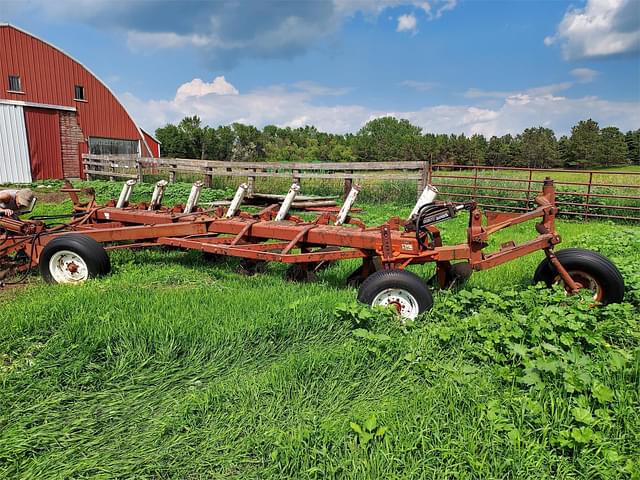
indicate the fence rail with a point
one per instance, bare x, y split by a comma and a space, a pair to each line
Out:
581, 193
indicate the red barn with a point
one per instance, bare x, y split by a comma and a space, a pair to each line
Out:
53, 109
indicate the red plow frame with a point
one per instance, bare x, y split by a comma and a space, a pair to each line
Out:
264, 237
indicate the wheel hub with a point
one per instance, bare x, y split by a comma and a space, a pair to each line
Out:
404, 302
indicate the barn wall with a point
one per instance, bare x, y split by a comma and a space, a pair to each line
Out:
153, 145
71, 137
43, 134
14, 149
48, 76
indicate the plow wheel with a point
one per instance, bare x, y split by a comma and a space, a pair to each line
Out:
398, 288
458, 274
589, 270
209, 257
300, 272
73, 258
252, 267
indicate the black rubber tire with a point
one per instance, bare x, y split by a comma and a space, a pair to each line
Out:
400, 279
599, 267
92, 252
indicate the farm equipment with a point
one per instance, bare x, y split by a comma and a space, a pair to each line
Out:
77, 250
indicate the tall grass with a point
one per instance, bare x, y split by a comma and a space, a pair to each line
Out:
172, 367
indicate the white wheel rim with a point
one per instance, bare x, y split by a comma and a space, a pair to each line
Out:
405, 303
585, 281
68, 267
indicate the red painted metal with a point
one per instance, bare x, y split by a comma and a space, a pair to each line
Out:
48, 77
43, 135
257, 237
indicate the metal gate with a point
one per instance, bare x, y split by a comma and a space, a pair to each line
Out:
14, 150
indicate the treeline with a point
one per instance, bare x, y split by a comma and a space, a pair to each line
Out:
393, 140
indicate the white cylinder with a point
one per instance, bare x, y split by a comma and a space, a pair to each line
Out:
428, 196
348, 203
125, 193
286, 203
194, 195
158, 193
237, 200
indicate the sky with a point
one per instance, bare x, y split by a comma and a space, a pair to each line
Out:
449, 66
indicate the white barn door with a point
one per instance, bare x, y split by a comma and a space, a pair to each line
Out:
14, 149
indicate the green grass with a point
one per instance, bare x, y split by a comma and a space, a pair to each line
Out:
172, 367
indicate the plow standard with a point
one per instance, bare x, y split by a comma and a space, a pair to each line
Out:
78, 250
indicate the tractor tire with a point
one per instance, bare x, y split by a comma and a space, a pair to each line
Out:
588, 268
404, 290
73, 258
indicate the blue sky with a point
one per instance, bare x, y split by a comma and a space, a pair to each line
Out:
449, 66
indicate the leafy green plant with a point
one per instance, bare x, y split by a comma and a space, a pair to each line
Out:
369, 431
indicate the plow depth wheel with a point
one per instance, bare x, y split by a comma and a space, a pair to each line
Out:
589, 269
399, 288
73, 258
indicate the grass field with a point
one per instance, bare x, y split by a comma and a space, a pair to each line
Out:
172, 367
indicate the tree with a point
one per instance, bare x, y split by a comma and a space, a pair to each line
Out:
502, 151
539, 148
585, 146
174, 143
390, 140
564, 151
632, 139
613, 147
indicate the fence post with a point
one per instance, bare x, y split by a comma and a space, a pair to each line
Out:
172, 173
586, 206
139, 172
251, 182
208, 176
348, 183
296, 176
424, 177
529, 189
475, 183
85, 167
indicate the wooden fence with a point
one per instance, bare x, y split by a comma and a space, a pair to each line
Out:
126, 167
581, 193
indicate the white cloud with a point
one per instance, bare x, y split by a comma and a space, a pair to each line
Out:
418, 85
145, 41
296, 107
584, 75
226, 32
407, 23
198, 88
448, 5
602, 28
535, 91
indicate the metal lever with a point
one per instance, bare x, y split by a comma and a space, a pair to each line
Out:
158, 193
193, 197
127, 188
237, 200
286, 203
348, 203
427, 196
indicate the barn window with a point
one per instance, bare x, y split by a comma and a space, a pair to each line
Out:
14, 83
112, 146
79, 92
